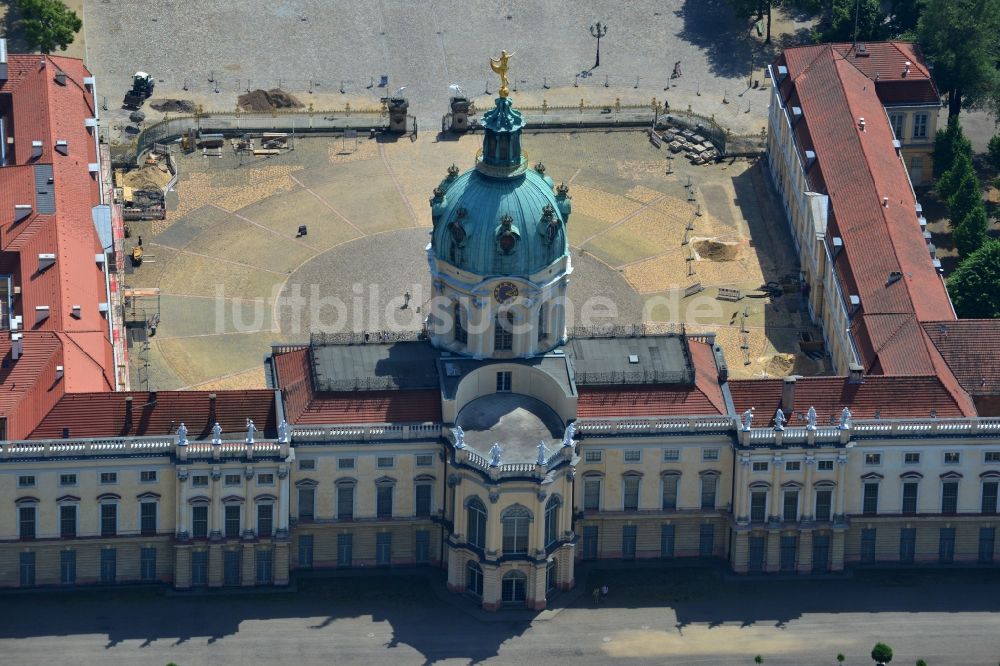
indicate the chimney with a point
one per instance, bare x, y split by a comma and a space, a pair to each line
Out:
788, 395
61, 78
41, 313
16, 346
810, 158
21, 212
3, 59
861, 123
62, 147
855, 374
45, 261
59, 372
36, 149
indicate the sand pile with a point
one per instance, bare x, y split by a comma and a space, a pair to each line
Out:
149, 177
716, 251
780, 365
173, 105
267, 100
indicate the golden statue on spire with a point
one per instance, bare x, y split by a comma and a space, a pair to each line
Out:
500, 66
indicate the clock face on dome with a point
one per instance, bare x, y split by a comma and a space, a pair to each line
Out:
505, 292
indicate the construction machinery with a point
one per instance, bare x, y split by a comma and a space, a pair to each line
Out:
142, 89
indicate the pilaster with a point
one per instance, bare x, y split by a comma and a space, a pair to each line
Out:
280, 562
537, 581
215, 515
772, 562
182, 566
215, 565
248, 567
837, 550
805, 554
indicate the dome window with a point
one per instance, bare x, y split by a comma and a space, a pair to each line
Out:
507, 236
548, 227
458, 234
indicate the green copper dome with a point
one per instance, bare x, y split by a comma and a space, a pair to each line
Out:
500, 218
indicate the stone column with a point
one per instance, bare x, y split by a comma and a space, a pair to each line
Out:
841, 488
182, 505
182, 566
536, 582
215, 529
283, 504
280, 563
248, 568
740, 512
807, 510
805, 554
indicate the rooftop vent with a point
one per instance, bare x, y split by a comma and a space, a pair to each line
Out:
633, 358
855, 374
76, 311
90, 123
838, 245
861, 123
16, 346
94, 167
62, 147
89, 82
810, 158
894, 276
782, 73
21, 212
45, 261
3, 59
61, 78
855, 301
906, 68
796, 114
59, 372
41, 313
897, 145
885, 202
862, 51
36, 149
102, 306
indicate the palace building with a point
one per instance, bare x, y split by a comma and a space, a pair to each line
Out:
495, 446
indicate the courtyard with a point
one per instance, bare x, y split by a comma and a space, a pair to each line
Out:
653, 614
235, 276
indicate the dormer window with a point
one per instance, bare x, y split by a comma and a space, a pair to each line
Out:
549, 225
507, 236
458, 234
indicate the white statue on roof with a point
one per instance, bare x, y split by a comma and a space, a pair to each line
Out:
283, 431
251, 429
459, 434
811, 418
845, 418
495, 451
216, 433
747, 419
182, 435
779, 419
542, 454
569, 434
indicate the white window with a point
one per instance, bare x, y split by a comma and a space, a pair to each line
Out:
504, 381
67, 479
912, 458
920, 126
593, 456
633, 455
147, 476
425, 459
233, 479
952, 457
671, 455
199, 481
109, 477
824, 465
345, 463
308, 463
26, 482
873, 458
897, 120
710, 454
992, 457
793, 465
760, 466
384, 462
265, 479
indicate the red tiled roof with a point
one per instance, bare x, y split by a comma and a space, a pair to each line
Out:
113, 415
29, 385
305, 406
969, 347
857, 169
885, 62
41, 109
891, 397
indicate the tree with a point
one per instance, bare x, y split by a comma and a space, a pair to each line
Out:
903, 18
921, 662
949, 181
993, 152
969, 232
961, 38
871, 22
47, 24
840, 657
758, 659
965, 197
754, 10
948, 143
882, 653
974, 286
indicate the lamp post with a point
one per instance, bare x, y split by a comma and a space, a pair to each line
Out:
598, 30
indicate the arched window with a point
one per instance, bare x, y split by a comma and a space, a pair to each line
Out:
475, 512
515, 521
473, 578
542, 332
503, 331
552, 521
461, 333
513, 587
504, 152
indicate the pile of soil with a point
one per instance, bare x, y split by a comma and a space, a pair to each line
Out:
716, 251
780, 365
149, 177
267, 100
173, 105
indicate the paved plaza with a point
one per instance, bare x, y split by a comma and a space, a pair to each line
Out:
652, 615
234, 277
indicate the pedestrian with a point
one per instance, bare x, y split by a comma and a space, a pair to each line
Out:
604, 590
597, 595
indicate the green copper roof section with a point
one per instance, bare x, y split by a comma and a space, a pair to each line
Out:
499, 226
503, 118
